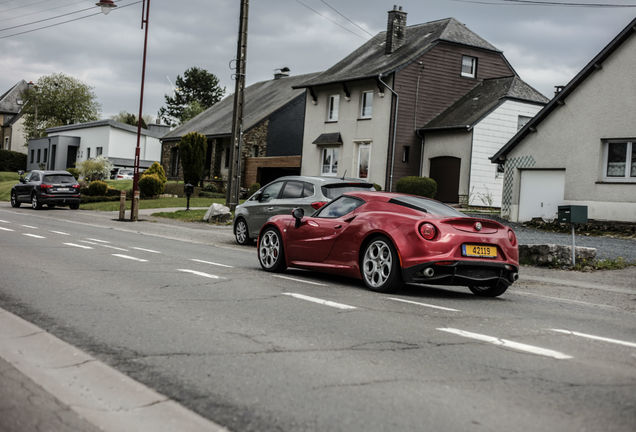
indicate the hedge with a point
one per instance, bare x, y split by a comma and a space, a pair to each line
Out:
413, 185
12, 161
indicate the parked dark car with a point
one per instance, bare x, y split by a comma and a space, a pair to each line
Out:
286, 193
47, 187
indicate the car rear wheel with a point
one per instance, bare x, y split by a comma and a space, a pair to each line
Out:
74, 206
241, 233
14, 200
380, 266
489, 290
270, 251
35, 202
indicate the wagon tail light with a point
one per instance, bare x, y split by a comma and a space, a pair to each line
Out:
45, 186
428, 231
316, 205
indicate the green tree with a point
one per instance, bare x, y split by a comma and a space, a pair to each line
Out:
192, 150
130, 119
158, 170
57, 100
196, 91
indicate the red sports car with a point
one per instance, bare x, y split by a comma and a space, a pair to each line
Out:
389, 238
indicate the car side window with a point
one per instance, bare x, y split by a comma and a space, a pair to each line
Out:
34, 177
308, 190
292, 189
271, 192
339, 207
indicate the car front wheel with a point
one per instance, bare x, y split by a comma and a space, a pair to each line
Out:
380, 266
35, 202
270, 251
14, 200
241, 233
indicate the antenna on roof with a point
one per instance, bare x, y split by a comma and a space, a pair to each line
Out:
344, 175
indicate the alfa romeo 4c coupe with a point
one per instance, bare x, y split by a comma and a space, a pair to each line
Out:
387, 239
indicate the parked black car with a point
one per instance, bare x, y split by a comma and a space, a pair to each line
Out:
46, 187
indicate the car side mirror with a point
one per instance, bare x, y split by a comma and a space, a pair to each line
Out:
262, 197
298, 214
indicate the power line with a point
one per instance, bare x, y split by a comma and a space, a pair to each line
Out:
347, 18
545, 3
67, 21
47, 19
39, 11
327, 18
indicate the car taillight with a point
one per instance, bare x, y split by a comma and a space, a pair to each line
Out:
512, 237
428, 231
76, 186
316, 205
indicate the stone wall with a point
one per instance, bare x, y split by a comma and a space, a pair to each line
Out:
552, 255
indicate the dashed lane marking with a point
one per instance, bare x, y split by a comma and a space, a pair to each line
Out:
128, 257
211, 263
89, 242
4, 221
114, 247
298, 280
6, 229
33, 235
508, 344
145, 250
320, 301
60, 233
423, 304
78, 246
598, 338
97, 240
29, 226
198, 273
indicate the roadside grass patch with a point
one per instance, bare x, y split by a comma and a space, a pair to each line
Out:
7, 180
603, 264
183, 215
153, 203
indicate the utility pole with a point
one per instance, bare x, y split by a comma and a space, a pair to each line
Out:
234, 177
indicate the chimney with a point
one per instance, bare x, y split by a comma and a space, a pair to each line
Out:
395, 29
281, 73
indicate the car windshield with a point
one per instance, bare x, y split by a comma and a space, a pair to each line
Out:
59, 178
332, 191
426, 205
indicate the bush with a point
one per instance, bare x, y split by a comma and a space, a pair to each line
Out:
74, 171
253, 188
377, 187
95, 169
157, 169
413, 185
192, 149
96, 188
150, 186
12, 161
210, 187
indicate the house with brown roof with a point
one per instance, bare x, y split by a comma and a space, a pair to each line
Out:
367, 115
273, 121
580, 149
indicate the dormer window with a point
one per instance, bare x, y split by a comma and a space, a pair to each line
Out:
332, 108
469, 66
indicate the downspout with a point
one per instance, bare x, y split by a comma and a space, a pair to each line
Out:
397, 101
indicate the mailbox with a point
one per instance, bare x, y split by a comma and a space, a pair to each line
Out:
188, 189
573, 214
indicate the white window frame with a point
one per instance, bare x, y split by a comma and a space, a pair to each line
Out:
630, 174
364, 104
333, 105
6, 143
332, 169
473, 67
363, 145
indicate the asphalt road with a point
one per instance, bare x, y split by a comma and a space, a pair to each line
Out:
189, 314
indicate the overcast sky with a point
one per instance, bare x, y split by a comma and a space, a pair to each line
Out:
547, 46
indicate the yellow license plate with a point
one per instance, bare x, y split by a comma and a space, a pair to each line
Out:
479, 251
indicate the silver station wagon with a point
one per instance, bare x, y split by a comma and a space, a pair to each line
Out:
286, 193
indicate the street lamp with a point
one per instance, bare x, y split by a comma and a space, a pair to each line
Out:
107, 6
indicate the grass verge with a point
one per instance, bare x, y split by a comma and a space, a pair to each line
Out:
183, 215
7, 180
153, 203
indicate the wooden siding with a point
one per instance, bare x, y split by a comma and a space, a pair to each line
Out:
252, 165
440, 84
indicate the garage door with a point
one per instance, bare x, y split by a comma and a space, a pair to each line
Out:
540, 194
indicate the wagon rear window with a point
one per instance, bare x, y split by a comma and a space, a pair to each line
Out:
427, 206
59, 178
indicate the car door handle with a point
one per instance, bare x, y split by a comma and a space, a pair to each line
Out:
270, 208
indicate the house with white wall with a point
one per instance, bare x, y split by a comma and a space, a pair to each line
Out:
64, 146
463, 137
11, 119
580, 149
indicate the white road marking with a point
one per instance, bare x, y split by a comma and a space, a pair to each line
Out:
29, 226
145, 250
60, 233
423, 304
128, 257
78, 246
577, 302
508, 344
114, 247
299, 280
97, 240
89, 242
198, 273
4, 221
321, 301
211, 263
6, 229
599, 338
33, 235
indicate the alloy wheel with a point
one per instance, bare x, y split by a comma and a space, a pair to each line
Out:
377, 263
269, 249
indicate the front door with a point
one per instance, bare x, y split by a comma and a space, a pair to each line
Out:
445, 171
71, 156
